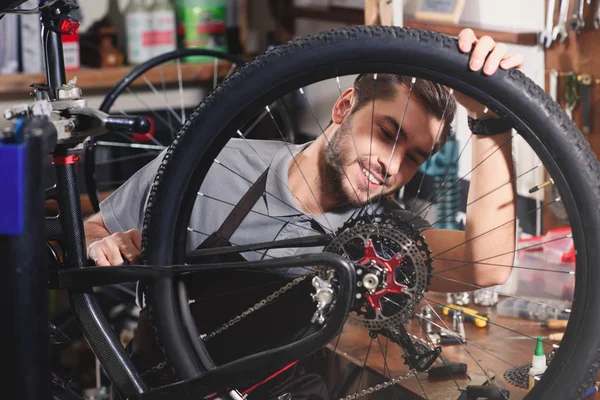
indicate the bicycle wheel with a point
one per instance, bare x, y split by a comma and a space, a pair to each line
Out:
113, 158
170, 234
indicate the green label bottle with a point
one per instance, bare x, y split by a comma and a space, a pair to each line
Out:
203, 24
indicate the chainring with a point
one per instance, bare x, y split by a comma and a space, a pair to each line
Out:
391, 237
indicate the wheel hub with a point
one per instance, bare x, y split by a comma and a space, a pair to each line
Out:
376, 287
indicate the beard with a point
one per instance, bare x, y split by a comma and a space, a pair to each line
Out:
339, 154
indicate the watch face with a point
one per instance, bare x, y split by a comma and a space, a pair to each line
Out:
557, 207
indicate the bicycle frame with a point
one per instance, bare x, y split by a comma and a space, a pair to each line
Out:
76, 276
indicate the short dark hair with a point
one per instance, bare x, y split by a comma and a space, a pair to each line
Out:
434, 96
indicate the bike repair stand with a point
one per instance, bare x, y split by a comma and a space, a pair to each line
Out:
23, 259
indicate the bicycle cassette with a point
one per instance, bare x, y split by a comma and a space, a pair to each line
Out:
392, 264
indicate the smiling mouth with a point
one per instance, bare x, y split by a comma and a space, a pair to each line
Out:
374, 180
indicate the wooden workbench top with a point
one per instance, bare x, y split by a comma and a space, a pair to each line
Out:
487, 349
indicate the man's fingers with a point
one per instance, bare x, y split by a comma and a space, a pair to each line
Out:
96, 254
130, 251
466, 40
482, 49
493, 60
136, 238
512, 61
113, 254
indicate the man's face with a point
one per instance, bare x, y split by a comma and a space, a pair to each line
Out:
371, 155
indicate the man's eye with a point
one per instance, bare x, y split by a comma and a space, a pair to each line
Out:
387, 134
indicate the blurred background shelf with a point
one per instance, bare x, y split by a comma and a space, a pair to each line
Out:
356, 17
104, 79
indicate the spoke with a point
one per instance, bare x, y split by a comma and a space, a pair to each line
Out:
433, 345
259, 213
364, 366
430, 154
565, 310
132, 145
251, 182
215, 72
327, 140
372, 128
108, 184
279, 178
300, 170
386, 369
334, 350
420, 384
512, 266
190, 229
164, 90
124, 158
163, 98
438, 196
180, 85
467, 350
231, 69
410, 91
501, 326
499, 255
490, 192
337, 79
156, 114
499, 226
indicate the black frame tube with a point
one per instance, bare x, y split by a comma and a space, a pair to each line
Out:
53, 53
89, 315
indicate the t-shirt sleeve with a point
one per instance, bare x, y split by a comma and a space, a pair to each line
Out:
418, 222
124, 208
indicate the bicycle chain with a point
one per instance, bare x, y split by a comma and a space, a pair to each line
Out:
255, 307
381, 386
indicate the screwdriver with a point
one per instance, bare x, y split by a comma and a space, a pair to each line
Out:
555, 337
470, 315
549, 323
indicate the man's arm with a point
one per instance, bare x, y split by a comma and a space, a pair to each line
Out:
489, 234
106, 249
483, 254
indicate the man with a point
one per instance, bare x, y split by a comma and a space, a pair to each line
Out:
368, 151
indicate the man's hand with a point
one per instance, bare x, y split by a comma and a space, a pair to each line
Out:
109, 251
489, 56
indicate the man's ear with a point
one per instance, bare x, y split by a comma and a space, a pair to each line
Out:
343, 106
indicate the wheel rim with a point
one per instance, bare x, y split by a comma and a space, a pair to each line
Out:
523, 125
140, 149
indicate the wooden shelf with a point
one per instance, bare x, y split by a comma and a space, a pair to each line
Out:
512, 37
356, 17
104, 79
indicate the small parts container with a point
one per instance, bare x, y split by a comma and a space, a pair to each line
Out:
544, 268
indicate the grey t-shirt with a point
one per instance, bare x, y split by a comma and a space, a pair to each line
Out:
276, 216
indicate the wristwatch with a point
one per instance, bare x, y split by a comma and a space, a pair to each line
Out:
489, 127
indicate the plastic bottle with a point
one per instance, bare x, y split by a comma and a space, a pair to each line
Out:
164, 27
538, 363
138, 32
204, 25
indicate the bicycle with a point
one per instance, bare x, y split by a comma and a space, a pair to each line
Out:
222, 115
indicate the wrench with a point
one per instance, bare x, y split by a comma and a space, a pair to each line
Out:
577, 22
597, 16
546, 35
560, 30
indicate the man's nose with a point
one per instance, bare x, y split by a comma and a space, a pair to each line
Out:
391, 163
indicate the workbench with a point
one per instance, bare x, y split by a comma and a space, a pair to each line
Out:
487, 349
